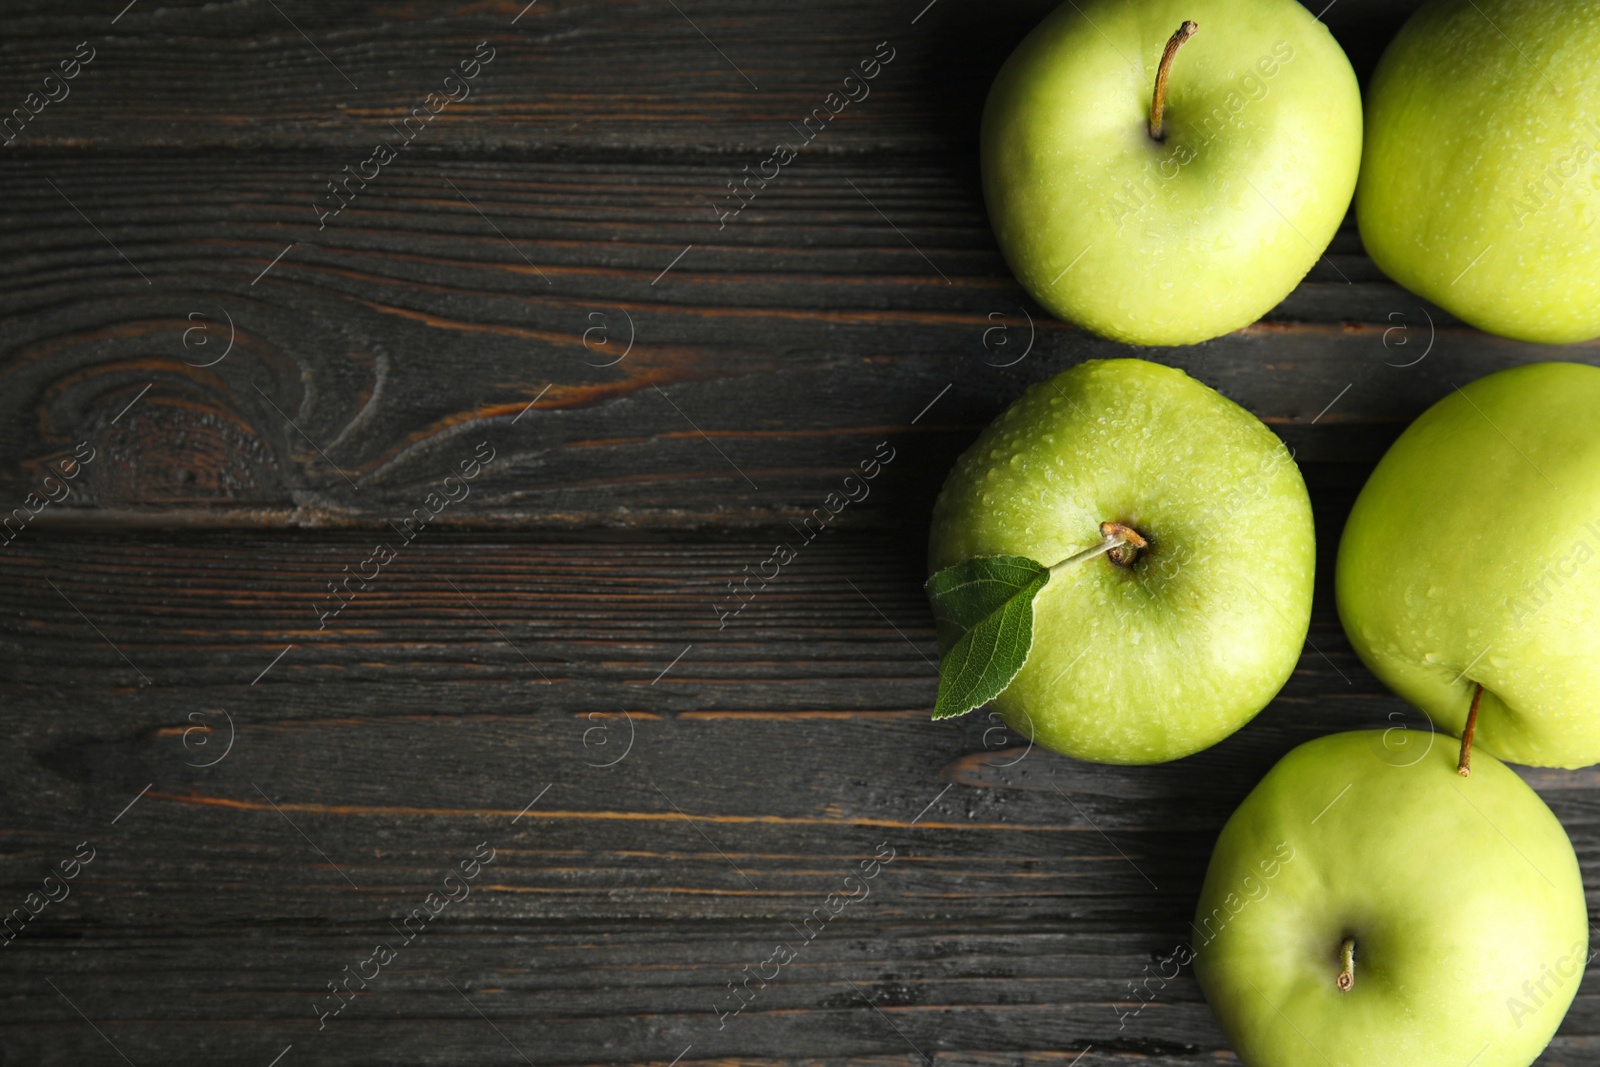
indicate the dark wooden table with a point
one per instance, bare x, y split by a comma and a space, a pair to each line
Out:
279, 740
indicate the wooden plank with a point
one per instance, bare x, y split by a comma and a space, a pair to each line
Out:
602, 76
771, 729
371, 358
1026, 892
1031, 993
559, 992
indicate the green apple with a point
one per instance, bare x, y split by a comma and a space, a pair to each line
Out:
1142, 655
1480, 186
1363, 911
1470, 559
1187, 237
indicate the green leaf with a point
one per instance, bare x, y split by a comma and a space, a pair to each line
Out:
983, 608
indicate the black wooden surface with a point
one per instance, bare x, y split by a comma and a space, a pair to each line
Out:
541, 669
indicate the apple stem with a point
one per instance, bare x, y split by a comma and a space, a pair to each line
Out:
1347, 960
1112, 534
1464, 766
1158, 101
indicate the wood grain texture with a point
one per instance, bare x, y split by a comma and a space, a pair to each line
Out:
378, 352
271, 788
600, 75
746, 781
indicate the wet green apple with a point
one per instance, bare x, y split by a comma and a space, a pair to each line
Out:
1171, 224
1480, 185
1366, 906
1143, 655
1472, 558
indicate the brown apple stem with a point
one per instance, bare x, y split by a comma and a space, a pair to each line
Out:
1113, 535
1158, 101
1129, 542
1464, 767
1347, 961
